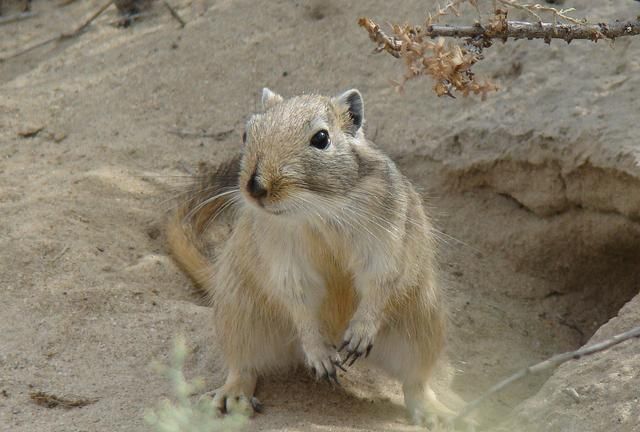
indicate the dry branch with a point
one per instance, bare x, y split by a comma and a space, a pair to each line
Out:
387, 43
546, 365
533, 9
196, 133
450, 64
49, 400
513, 29
62, 36
546, 31
17, 17
174, 14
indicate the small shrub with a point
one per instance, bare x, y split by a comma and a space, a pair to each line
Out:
182, 414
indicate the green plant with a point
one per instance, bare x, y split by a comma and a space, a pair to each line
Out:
182, 414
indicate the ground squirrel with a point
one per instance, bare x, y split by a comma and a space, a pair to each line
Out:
330, 253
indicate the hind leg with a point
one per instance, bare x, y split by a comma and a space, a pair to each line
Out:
423, 406
262, 352
251, 345
411, 361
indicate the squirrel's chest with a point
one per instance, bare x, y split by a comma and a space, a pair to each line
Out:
298, 259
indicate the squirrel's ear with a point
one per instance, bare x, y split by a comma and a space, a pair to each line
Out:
270, 98
351, 100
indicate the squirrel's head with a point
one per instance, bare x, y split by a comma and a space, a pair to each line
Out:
300, 152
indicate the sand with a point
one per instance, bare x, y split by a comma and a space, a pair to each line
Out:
536, 192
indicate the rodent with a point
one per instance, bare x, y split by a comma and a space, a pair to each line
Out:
330, 258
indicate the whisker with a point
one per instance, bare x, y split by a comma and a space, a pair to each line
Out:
229, 204
351, 219
208, 201
456, 240
188, 192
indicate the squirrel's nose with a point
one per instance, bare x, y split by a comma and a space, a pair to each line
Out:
255, 188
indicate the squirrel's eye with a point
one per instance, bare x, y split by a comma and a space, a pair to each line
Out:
244, 136
320, 140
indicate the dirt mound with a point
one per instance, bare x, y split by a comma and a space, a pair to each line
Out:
541, 279
583, 233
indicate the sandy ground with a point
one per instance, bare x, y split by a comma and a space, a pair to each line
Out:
536, 192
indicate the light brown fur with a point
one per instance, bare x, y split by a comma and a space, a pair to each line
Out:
338, 247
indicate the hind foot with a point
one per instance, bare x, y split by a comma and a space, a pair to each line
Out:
426, 410
236, 395
226, 402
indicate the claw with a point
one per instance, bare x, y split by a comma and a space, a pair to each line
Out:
224, 405
353, 355
257, 405
326, 373
343, 345
358, 346
339, 366
356, 356
368, 350
334, 377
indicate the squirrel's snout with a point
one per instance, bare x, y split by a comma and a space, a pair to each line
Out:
255, 187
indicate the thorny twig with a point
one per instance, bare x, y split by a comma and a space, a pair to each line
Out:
17, 17
384, 42
60, 255
534, 8
450, 64
62, 36
187, 133
174, 14
546, 365
128, 18
513, 29
452, 6
49, 400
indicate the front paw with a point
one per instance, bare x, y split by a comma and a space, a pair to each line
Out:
323, 361
358, 340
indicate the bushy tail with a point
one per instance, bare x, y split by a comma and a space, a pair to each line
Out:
189, 222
